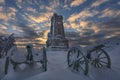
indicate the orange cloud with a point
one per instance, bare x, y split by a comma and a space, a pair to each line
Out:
41, 18
7, 16
45, 33
1, 1
95, 28
98, 3
84, 24
77, 3
3, 27
82, 15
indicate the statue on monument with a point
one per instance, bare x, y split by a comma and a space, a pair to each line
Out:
56, 36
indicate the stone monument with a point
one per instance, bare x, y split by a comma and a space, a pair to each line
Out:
56, 36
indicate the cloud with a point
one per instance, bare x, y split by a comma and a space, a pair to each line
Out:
52, 6
74, 25
7, 16
43, 17
87, 32
1, 1
3, 29
119, 3
29, 9
3, 15
84, 24
45, 33
79, 20
66, 25
111, 24
55, 3
82, 15
107, 29
77, 3
66, 5
96, 28
109, 13
36, 42
91, 31
98, 3
25, 30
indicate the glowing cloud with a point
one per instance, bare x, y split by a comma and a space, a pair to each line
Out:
77, 2
98, 3
82, 15
1, 1
84, 24
41, 18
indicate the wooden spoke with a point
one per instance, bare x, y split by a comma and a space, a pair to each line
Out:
102, 57
81, 58
82, 68
100, 53
82, 61
100, 64
104, 62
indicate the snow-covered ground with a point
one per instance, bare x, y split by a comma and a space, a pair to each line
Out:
58, 69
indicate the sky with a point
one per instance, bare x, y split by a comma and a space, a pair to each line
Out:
85, 21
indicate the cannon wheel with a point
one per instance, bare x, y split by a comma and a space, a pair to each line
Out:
44, 62
100, 58
77, 61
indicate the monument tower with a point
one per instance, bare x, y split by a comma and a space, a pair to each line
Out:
56, 36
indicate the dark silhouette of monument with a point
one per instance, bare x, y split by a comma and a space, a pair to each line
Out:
56, 36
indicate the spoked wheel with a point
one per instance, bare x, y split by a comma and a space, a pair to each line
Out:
77, 61
44, 61
100, 58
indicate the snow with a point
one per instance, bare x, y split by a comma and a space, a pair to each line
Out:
57, 68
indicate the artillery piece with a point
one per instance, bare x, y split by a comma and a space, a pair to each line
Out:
29, 60
97, 57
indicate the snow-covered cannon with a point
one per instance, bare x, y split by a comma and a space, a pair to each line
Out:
32, 59
28, 61
79, 61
